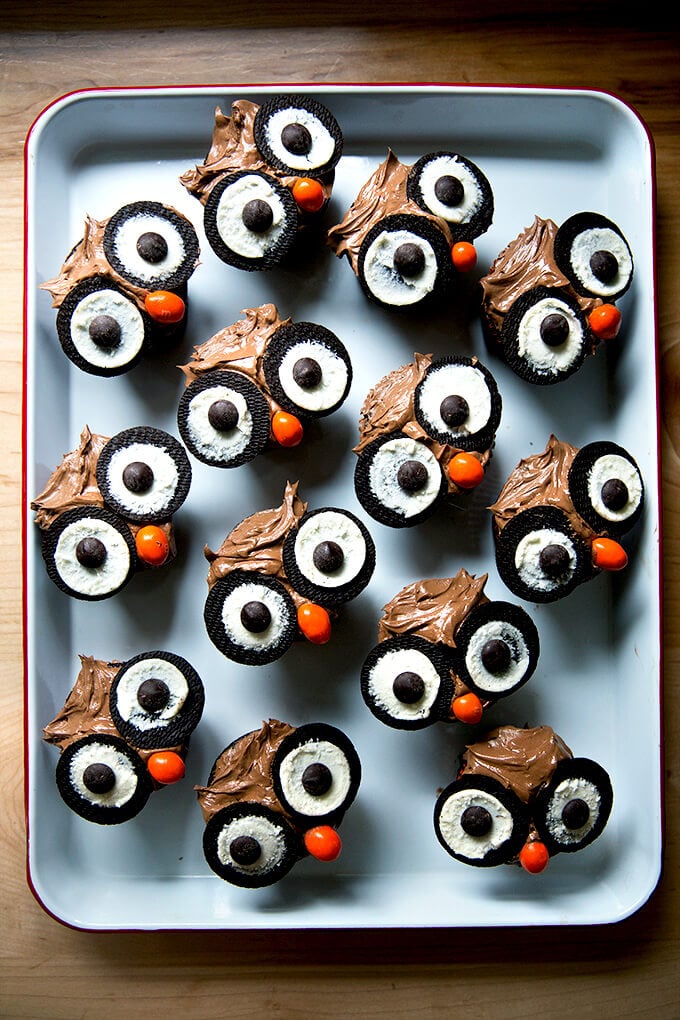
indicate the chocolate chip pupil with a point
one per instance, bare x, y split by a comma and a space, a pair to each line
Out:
245, 849
496, 655
412, 475
328, 557
152, 247
614, 494
554, 329
153, 694
223, 415
449, 190
99, 778
454, 410
105, 332
604, 265
575, 813
307, 373
317, 779
297, 139
255, 617
90, 552
408, 687
409, 259
257, 215
476, 820
137, 476
554, 560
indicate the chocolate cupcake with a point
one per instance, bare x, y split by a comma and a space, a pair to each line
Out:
548, 299
446, 652
559, 517
410, 229
426, 434
266, 178
275, 796
257, 383
124, 732
521, 797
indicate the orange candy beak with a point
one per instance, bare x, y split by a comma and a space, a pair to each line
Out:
466, 471
605, 322
287, 429
534, 857
152, 545
315, 623
467, 708
308, 194
165, 307
323, 842
166, 767
608, 554
464, 256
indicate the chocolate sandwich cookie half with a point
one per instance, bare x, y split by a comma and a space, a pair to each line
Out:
298, 136
144, 474
316, 773
606, 488
151, 246
250, 845
497, 649
479, 821
103, 779
595, 256
330, 557
404, 260
307, 369
545, 336
223, 419
573, 809
406, 682
457, 403
89, 553
399, 481
250, 617
454, 188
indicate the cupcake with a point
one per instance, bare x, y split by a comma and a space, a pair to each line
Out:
446, 652
258, 382
274, 796
266, 178
106, 511
410, 229
560, 515
521, 797
124, 732
282, 575
426, 434
122, 291
548, 299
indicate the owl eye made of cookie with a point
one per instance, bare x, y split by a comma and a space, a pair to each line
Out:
144, 474
223, 419
497, 646
156, 700
452, 187
330, 557
103, 780
406, 682
545, 336
316, 774
151, 246
250, 845
457, 403
250, 220
540, 557
297, 135
479, 821
307, 369
250, 617
399, 481
573, 809
593, 253
403, 260
606, 488
89, 553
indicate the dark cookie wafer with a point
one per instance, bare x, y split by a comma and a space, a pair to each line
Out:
250, 617
401, 503
406, 682
573, 809
405, 283
316, 773
606, 488
330, 557
545, 349
103, 780
250, 845
231, 433
497, 649
151, 245
461, 195
308, 143
89, 553
144, 474
451, 414
479, 821
308, 369
593, 253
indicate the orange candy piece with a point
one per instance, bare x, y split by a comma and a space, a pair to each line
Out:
287, 429
323, 842
464, 256
605, 322
467, 708
308, 194
534, 857
608, 554
166, 767
466, 471
152, 545
315, 623
164, 306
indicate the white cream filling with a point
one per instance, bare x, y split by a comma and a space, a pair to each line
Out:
455, 380
125, 785
382, 278
269, 836
567, 790
229, 217
291, 770
92, 580
150, 669
455, 836
209, 441
323, 143
330, 525
126, 314
496, 683
165, 478
231, 615
125, 244
540, 355
601, 239
382, 476
614, 466
527, 556
443, 166
333, 383
383, 674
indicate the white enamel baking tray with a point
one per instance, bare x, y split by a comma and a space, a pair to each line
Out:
546, 152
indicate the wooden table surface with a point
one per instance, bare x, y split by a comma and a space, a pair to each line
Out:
47, 970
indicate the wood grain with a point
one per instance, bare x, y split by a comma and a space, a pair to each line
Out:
47, 970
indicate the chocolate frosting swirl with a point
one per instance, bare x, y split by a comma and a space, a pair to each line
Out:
523, 760
433, 609
73, 483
